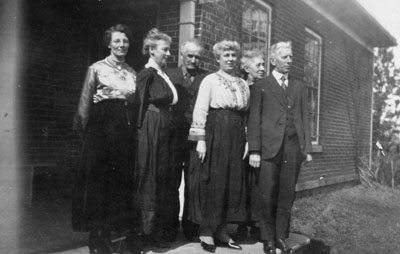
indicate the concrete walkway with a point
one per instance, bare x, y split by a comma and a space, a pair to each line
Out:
184, 248
181, 246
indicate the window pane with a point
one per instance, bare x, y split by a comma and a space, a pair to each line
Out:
308, 74
255, 26
246, 21
246, 39
314, 127
316, 52
312, 70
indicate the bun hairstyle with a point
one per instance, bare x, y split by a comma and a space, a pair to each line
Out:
151, 39
117, 28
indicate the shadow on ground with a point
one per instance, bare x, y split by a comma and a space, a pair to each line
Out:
316, 247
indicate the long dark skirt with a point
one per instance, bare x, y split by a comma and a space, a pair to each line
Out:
103, 188
154, 168
217, 191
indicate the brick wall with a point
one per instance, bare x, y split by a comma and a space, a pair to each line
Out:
61, 39
345, 109
168, 21
216, 21
55, 48
54, 66
59, 47
345, 84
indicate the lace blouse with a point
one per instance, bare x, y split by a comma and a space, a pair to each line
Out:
221, 91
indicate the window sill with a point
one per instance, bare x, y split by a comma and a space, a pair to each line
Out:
316, 148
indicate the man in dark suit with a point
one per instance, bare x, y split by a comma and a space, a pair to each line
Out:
186, 79
279, 142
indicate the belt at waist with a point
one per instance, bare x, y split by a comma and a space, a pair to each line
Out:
228, 110
112, 101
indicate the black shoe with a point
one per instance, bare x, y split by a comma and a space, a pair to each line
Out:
208, 247
269, 247
280, 243
230, 245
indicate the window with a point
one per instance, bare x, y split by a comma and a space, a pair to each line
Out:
256, 26
312, 78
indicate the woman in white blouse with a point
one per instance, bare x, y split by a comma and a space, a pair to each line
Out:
219, 194
102, 198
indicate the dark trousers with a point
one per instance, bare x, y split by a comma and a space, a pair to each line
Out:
275, 189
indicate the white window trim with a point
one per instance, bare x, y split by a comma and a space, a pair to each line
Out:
319, 38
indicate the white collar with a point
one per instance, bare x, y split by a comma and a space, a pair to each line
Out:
277, 75
153, 64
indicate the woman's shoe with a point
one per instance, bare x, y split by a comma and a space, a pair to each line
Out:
99, 242
231, 244
208, 247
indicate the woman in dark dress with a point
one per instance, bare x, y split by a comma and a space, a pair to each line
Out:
218, 195
156, 95
102, 199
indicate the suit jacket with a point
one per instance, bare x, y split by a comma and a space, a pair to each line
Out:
269, 106
187, 94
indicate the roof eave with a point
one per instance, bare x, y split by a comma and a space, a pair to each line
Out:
379, 38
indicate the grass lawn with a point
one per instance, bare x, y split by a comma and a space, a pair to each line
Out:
353, 220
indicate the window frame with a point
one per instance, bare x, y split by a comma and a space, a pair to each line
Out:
268, 9
317, 37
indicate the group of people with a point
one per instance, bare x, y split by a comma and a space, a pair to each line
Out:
239, 142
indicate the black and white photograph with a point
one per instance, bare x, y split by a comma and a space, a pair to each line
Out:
199, 126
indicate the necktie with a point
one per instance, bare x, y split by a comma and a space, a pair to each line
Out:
283, 84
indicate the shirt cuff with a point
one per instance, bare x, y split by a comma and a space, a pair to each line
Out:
197, 134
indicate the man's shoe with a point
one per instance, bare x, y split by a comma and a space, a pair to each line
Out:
269, 247
280, 243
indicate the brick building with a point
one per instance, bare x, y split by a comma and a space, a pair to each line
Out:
332, 40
